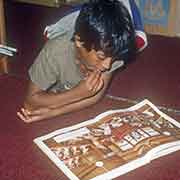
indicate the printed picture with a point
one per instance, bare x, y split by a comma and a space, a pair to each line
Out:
104, 146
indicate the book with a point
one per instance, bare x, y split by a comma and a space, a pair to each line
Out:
113, 143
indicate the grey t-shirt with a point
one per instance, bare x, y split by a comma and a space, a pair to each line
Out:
55, 68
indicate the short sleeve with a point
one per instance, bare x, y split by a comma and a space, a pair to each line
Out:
44, 70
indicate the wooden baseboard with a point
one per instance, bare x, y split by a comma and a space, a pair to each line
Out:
52, 3
4, 65
49, 3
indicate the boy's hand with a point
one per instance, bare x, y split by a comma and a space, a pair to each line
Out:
34, 115
92, 84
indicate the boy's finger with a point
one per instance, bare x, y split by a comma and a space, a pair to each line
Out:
25, 111
94, 79
27, 119
94, 75
35, 112
98, 86
22, 117
97, 82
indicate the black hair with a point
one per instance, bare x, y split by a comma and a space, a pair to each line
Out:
106, 25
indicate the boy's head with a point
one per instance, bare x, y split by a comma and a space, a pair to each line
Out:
106, 27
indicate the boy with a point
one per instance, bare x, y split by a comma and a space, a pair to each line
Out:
69, 75
67, 22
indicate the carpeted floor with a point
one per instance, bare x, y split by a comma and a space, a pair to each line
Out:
154, 75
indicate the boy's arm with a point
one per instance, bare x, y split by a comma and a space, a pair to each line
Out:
78, 98
37, 98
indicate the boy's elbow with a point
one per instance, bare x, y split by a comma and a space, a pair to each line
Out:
28, 105
30, 102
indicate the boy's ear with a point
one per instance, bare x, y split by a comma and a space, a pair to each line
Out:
78, 43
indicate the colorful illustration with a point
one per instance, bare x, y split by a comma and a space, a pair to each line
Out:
114, 140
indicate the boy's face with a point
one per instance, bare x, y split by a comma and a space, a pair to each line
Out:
91, 60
